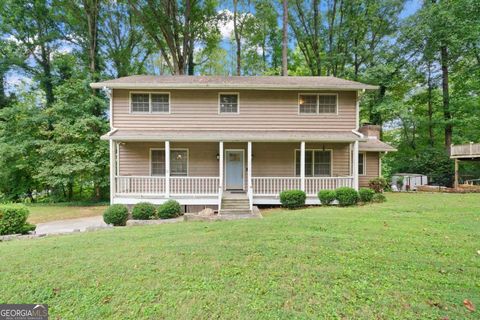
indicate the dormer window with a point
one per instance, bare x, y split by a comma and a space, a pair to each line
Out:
150, 102
228, 103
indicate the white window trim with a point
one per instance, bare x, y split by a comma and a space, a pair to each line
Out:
364, 155
318, 104
149, 102
171, 149
313, 158
238, 103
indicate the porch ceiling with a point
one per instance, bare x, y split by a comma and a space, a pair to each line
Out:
232, 136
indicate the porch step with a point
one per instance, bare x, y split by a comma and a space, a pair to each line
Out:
235, 211
240, 205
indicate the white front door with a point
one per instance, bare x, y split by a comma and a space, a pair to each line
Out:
234, 169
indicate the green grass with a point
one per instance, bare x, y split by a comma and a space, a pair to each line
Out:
414, 257
60, 211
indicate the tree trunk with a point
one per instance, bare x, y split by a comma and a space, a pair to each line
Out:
330, 37
285, 39
237, 37
46, 79
431, 138
447, 116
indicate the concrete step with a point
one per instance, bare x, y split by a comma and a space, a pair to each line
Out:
235, 211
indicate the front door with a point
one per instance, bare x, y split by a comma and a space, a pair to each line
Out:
234, 169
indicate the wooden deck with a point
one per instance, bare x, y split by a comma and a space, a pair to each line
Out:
468, 150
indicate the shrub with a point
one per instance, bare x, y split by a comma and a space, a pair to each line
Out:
169, 209
379, 197
346, 196
116, 214
144, 211
366, 194
13, 219
293, 199
378, 184
327, 196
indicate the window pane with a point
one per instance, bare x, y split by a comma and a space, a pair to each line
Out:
327, 104
178, 162
160, 103
308, 163
308, 103
361, 162
228, 103
322, 165
158, 162
140, 102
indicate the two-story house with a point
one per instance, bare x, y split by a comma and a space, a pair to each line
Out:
202, 140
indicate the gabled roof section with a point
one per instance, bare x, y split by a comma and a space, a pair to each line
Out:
374, 145
233, 82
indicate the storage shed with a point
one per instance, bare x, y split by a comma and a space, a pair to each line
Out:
408, 181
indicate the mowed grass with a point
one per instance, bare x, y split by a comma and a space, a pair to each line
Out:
51, 212
414, 257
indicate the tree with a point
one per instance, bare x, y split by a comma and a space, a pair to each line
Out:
175, 27
285, 38
35, 29
125, 46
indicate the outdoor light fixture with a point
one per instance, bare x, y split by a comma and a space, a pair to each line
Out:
218, 156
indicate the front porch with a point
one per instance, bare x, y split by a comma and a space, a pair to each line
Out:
201, 173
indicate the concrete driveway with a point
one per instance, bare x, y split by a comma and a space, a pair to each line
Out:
70, 225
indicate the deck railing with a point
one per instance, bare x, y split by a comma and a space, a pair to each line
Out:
468, 149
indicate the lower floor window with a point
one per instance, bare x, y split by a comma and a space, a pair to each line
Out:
178, 162
361, 163
318, 163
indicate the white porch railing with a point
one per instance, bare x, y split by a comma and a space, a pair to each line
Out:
272, 186
139, 185
315, 184
147, 185
210, 186
194, 186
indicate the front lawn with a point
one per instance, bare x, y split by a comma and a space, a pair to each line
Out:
414, 257
61, 211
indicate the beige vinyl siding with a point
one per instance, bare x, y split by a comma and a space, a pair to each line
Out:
372, 162
269, 159
259, 110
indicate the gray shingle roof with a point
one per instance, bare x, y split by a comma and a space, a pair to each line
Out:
375, 145
232, 82
231, 136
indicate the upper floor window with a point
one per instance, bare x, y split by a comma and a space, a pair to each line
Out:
228, 102
150, 102
318, 163
317, 103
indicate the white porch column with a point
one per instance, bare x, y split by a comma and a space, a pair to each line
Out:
113, 160
220, 173
355, 165
302, 165
167, 169
249, 174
